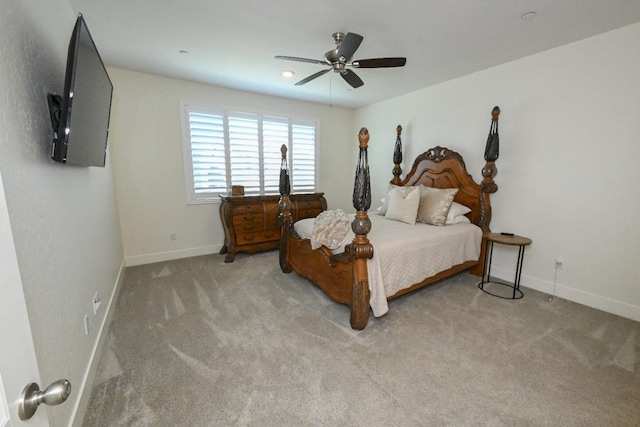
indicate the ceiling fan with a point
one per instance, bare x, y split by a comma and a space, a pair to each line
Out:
339, 60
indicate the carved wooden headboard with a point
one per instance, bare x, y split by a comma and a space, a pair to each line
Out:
440, 167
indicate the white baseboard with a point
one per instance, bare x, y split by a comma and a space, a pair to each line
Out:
168, 256
85, 388
569, 293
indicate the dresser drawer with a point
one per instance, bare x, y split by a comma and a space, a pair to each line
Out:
308, 204
248, 227
250, 208
257, 237
248, 217
308, 213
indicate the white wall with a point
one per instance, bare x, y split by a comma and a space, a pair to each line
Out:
146, 148
567, 172
63, 219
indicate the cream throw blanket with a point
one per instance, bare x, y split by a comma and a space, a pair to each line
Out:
329, 229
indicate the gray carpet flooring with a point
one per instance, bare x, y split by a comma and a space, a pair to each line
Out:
197, 342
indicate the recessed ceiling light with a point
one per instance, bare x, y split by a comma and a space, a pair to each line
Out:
527, 16
287, 73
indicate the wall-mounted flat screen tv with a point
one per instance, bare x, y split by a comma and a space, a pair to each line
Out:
80, 116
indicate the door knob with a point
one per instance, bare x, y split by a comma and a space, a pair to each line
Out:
31, 397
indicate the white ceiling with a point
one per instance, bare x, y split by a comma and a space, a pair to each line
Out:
232, 43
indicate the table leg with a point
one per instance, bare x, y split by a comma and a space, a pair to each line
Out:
486, 264
516, 281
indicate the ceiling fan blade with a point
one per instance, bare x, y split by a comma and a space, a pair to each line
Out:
295, 58
379, 63
349, 45
313, 76
351, 78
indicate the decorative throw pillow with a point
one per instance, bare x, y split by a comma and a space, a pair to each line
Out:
435, 204
403, 207
458, 220
382, 210
457, 214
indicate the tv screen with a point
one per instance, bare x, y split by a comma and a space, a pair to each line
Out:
80, 116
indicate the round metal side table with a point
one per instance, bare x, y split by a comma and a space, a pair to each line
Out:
504, 239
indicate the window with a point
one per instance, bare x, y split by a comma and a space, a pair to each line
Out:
224, 148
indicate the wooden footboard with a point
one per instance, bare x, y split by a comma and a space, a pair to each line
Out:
344, 277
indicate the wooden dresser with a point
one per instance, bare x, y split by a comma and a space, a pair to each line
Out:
251, 222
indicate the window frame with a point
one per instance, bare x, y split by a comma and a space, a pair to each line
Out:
186, 107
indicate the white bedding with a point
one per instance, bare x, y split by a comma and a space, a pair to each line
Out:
405, 254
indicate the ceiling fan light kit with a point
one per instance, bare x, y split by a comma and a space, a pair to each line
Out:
340, 60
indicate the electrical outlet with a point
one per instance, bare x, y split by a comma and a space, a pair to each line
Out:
559, 265
96, 303
86, 324
172, 236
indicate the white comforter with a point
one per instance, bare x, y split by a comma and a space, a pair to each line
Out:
405, 254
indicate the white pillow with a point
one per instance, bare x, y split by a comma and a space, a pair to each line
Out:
458, 220
304, 227
382, 210
403, 207
457, 213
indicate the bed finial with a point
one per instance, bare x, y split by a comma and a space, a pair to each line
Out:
363, 138
495, 113
491, 153
285, 184
397, 158
492, 149
362, 185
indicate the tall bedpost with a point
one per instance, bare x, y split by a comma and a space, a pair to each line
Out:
491, 152
397, 158
284, 208
361, 249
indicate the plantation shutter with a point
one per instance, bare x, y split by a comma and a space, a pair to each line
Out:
224, 148
244, 152
303, 157
208, 153
275, 132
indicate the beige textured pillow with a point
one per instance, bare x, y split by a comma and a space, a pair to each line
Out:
403, 207
435, 204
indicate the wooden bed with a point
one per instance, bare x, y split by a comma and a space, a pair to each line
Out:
344, 277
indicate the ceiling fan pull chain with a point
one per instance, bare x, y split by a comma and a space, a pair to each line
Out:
330, 91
